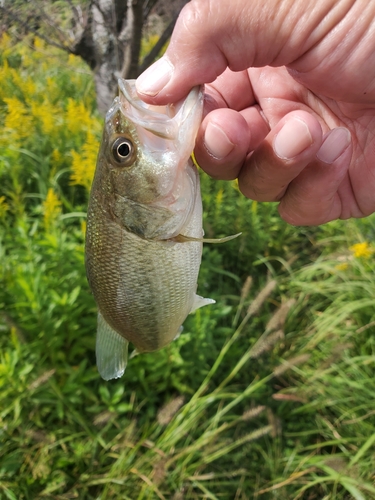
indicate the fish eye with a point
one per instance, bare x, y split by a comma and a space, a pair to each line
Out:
123, 151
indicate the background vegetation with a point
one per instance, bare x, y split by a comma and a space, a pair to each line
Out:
105, 34
267, 394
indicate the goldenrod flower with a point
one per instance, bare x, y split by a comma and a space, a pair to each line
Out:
39, 44
219, 196
56, 156
25, 84
51, 207
77, 116
83, 165
74, 60
53, 91
28, 86
47, 116
342, 267
5, 42
18, 120
4, 74
362, 250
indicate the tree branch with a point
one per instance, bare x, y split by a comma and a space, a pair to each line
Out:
61, 35
154, 52
149, 5
77, 13
30, 29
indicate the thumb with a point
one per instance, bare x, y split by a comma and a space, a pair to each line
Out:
211, 35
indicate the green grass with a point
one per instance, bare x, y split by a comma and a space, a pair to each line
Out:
268, 394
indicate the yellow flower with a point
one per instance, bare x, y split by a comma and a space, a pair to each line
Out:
77, 116
56, 160
342, 267
18, 120
39, 44
361, 250
51, 207
56, 156
219, 196
47, 115
74, 60
28, 87
53, 90
25, 84
4, 78
83, 165
5, 41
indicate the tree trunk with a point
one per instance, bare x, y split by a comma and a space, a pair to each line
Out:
111, 45
131, 67
112, 32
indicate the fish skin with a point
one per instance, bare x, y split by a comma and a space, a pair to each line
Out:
143, 281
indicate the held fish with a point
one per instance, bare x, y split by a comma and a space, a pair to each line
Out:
144, 226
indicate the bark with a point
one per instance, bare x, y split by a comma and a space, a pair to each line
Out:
131, 65
108, 50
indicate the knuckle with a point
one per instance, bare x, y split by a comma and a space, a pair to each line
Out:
193, 16
254, 183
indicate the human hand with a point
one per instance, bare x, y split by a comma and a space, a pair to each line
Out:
290, 100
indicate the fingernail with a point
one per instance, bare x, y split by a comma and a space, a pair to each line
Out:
292, 139
217, 142
155, 78
337, 140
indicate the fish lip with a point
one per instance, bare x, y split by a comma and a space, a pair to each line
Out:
165, 124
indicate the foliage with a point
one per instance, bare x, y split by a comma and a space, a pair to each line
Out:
267, 394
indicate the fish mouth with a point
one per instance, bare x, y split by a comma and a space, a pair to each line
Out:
172, 121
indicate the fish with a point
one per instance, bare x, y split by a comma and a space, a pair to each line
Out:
144, 232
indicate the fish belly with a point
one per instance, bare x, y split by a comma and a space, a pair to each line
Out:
144, 289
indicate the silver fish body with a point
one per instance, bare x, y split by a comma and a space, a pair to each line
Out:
144, 215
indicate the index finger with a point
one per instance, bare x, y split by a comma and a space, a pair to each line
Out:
210, 36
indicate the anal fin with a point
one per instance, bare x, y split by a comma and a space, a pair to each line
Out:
179, 331
111, 351
201, 302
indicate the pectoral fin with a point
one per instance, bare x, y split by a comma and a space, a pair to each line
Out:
200, 302
180, 238
111, 351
